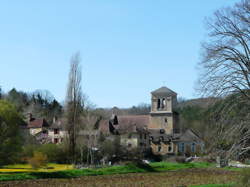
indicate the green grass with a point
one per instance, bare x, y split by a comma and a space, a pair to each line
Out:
129, 168
170, 166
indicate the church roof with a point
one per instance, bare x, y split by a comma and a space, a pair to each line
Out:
163, 91
129, 123
188, 136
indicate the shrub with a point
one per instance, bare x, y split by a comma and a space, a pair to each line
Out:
38, 160
55, 153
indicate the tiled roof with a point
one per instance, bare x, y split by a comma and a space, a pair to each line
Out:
189, 135
104, 126
163, 91
129, 123
37, 123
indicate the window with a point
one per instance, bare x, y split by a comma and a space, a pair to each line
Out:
170, 149
159, 148
158, 104
129, 145
55, 140
145, 136
193, 147
166, 120
181, 147
56, 131
163, 103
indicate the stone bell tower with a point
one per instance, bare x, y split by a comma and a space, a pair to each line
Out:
163, 102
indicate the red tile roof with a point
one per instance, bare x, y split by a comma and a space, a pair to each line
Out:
37, 123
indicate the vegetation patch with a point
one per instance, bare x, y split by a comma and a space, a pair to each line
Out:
183, 177
14, 172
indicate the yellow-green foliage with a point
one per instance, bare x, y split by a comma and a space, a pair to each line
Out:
23, 168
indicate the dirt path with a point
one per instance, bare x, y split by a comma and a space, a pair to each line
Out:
181, 178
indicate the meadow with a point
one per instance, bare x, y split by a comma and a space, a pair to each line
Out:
155, 174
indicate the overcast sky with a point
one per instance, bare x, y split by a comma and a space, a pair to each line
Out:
128, 47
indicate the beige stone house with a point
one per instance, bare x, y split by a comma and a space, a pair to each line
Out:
57, 131
45, 132
36, 126
159, 131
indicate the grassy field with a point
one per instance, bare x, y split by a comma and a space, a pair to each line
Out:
17, 172
155, 174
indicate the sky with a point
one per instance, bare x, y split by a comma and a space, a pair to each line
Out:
128, 47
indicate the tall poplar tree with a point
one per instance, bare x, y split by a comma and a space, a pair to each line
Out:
74, 103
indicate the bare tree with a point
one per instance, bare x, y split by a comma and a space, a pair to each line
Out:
74, 103
226, 56
226, 70
91, 130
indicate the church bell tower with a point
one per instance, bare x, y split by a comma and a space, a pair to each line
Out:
163, 102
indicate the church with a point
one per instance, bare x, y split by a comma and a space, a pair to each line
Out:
160, 130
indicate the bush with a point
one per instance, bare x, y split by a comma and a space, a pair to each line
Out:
38, 160
55, 153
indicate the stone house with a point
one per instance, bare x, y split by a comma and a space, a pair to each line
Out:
159, 131
57, 131
45, 132
37, 126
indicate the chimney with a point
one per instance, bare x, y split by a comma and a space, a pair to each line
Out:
29, 117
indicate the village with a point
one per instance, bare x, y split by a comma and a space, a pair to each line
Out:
125, 93
159, 131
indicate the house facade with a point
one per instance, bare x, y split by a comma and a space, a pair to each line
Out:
57, 131
45, 132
